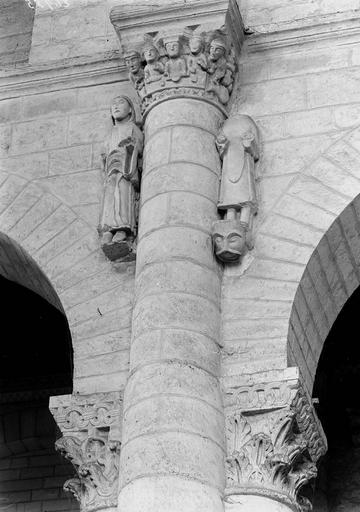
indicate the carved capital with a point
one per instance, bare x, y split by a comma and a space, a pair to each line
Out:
181, 49
91, 442
274, 442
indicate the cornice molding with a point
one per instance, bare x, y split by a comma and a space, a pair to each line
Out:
79, 72
305, 31
75, 73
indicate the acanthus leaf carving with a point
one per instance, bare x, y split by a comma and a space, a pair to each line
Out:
274, 450
96, 462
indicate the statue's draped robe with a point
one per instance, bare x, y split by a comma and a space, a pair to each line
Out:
121, 178
237, 187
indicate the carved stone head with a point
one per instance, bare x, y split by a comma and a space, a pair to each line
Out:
121, 108
217, 49
196, 44
241, 128
133, 61
151, 53
229, 239
172, 47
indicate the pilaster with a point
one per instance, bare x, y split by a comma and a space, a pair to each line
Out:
91, 440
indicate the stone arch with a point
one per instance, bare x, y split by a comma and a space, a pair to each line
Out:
64, 244
305, 246
329, 279
17, 266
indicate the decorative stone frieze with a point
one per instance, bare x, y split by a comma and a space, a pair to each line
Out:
182, 58
274, 441
238, 146
91, 442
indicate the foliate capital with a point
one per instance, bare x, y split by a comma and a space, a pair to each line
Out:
274, 442
90, 426
181, 49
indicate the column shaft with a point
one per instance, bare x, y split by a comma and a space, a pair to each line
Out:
173, 440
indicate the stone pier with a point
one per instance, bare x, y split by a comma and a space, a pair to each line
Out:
173, 443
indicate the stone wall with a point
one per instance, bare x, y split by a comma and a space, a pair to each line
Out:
31, 472
16, 24
53, 122
302, 91
300, 85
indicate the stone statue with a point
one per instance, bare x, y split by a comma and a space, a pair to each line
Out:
238, 146
136, 72
123, 148
175, 67
197, 60
154, 69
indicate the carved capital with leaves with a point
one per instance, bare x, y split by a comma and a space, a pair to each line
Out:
91, 442
273, 449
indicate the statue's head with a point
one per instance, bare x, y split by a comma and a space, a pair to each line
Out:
229, 239
217, 49
150, 52
242, 127
172, 46
196, 44
133, 61
122, 108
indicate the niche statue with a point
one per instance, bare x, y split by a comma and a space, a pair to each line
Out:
122, 150
238, 146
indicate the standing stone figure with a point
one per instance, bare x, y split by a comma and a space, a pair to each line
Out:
122, 150
238, 146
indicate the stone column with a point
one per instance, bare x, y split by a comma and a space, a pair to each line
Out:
173, 446
91, 439
274, 441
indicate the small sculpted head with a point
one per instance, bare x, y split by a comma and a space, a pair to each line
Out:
133, 62
172, 48
121, 109
196, 44
217, 49
229, 241
150, 53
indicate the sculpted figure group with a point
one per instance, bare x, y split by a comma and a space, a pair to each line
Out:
202, 64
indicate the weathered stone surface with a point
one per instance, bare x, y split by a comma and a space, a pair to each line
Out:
182, 276
164, 492
173, 378
173, 344
180, 177
189, 456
